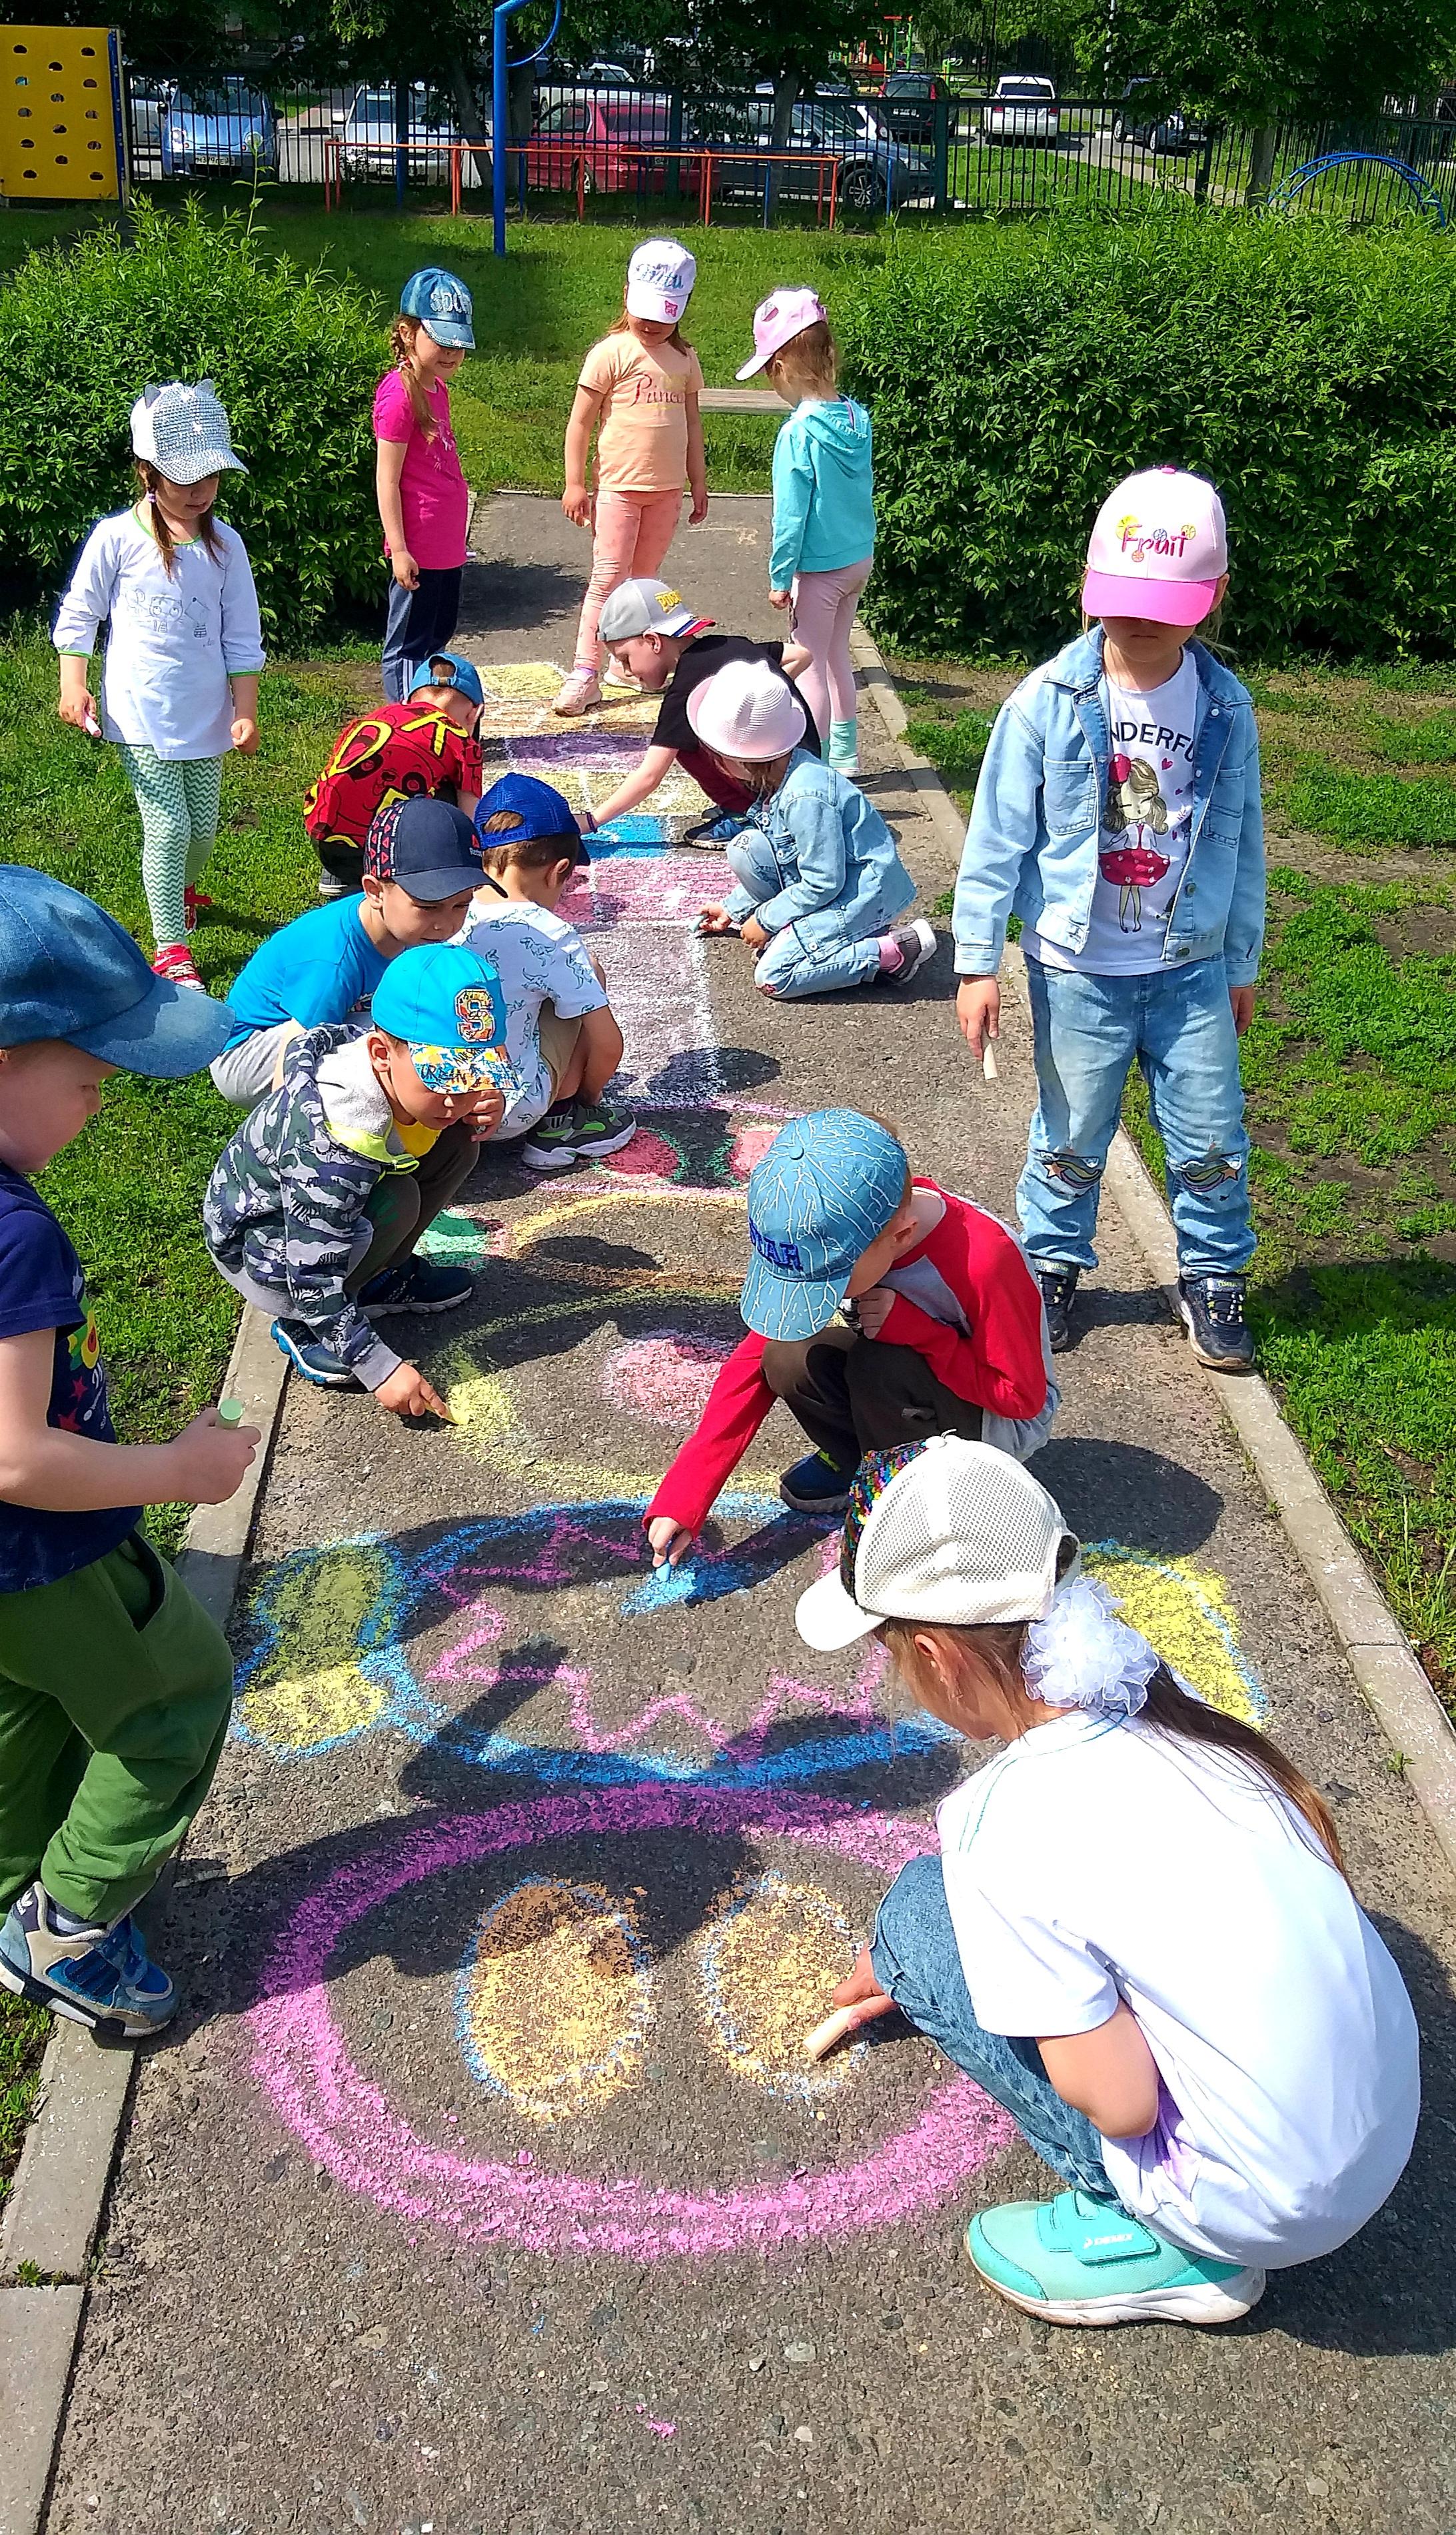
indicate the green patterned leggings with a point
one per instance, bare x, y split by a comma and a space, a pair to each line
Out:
178, 798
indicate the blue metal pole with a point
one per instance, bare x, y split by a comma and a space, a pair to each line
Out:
500, 107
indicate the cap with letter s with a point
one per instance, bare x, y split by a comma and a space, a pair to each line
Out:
442, 305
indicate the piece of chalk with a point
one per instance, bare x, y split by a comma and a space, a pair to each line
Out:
824, 2036
92, 727
230, 1413
989, 1070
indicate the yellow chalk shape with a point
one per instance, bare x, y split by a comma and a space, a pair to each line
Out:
522, 681
1186, 1614
310, 1689
555, 2007
765, 1970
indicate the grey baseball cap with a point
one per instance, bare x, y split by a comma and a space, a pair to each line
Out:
648, 608
183, 432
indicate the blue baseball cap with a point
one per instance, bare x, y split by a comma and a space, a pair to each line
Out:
827, 1185
534, 809
447, 1005
459, 672
426, 844
68, 970
442, 306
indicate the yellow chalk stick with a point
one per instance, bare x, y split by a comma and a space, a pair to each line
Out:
824, 2036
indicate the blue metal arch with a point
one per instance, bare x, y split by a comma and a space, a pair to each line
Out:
498, 114
1284, 194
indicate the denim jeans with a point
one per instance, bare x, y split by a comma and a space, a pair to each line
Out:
419, 623
1177, 1025
917, 1962
807, 957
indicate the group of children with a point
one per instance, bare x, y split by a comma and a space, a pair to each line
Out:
1219, 2095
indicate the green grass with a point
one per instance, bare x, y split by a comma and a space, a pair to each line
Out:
954, 744
24, 2033
1431, 741
130, 1188
1363, 811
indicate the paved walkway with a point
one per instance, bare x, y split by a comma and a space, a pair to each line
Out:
482, 2187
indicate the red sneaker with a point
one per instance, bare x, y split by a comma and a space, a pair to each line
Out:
174, 962
192, 899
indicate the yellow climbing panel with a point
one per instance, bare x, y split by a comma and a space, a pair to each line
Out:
61, 129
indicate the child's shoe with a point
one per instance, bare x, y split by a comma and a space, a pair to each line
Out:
576, 1130
1213, 1314
190, 902
331, 887
718, 830
1078, 2259
315, 1363
580, 694
174, 962
905, 952
1058, 1291
415, 1285
98, 1976
844, 747
816, 1485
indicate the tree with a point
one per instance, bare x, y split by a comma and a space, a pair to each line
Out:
1272, 61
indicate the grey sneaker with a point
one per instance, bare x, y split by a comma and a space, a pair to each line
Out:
915, 943
576, 1131
98, 1976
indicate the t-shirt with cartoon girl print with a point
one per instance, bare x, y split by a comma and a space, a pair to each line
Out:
1146, 817
42, 1287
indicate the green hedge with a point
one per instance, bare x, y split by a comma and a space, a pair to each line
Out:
1309, 371
295, 357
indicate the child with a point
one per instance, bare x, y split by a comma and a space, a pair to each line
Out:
819, 881
424, 501
942, 1325
669, 650
184, 651
429, 744
824, 506
421, 869
1119, 815
114, 1684
1137, 1936
565, 1057
315, 1207
640, 387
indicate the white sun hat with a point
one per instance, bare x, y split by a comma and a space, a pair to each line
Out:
184, 433
659, 281
748, 710
952, 1533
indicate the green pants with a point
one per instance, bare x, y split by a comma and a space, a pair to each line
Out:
116, 1689
179, 798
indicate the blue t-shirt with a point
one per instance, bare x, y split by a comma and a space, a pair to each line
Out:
41, 1287
313, 971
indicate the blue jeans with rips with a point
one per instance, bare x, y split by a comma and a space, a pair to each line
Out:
1177, 1026
917, 1963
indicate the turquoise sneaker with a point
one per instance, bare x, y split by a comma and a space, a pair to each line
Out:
1076, 2260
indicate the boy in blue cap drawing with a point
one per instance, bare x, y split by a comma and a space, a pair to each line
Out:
880, 1308
114, 1684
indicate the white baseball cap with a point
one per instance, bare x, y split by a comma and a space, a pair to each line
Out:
1159, 549
777, 321
659, 281
183, 432
748, 710
952, 1533
648, 608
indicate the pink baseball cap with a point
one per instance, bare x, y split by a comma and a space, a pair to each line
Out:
1158, 550
777, 321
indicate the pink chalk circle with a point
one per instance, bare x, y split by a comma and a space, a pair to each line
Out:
749, 1147
665, 1378
349, 2126
647, 1157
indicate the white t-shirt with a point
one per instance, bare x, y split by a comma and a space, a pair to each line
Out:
1094, 1861
539, 959
175, 638
1143, 844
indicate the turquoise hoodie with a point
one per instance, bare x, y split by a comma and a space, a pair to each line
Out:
823, 490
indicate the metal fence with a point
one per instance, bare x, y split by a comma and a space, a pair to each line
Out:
593, 147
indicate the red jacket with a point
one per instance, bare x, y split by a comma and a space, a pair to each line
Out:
970, 1265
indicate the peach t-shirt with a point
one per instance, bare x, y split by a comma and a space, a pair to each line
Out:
641, 444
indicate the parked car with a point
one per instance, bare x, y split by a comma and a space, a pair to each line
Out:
370, 140
908, 102
603, 136
149, 100
876, 171
1022, 109
226, 126
1170, 134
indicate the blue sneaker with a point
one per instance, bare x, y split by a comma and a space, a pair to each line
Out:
98, 1976
816, 1485
315, 1363
716, 831
415, 1285
1212, 1308
1078, 2259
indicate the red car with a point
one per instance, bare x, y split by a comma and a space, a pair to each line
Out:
606, 137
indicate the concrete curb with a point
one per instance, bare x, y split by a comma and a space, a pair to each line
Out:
60, 2187
1379, 1654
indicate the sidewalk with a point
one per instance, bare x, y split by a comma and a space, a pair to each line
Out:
482, 2187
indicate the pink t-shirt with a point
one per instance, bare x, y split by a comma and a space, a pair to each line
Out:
432, 493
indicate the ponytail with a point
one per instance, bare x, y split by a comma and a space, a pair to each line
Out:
402, 343
148, 479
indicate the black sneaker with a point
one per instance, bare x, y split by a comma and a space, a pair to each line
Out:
1213, 1315
816, 1485
719, 831
1058, 1286
415, 1285
577, 1130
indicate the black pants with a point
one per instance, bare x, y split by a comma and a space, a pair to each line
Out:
854, 1396
420, 621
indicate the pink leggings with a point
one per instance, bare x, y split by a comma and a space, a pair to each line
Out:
824, 604
631, 534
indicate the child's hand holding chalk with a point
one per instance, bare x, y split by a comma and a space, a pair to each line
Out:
858, 2001
990, 1073
230, 1413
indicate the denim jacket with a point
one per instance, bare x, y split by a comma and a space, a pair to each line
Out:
1031, 846
843, 878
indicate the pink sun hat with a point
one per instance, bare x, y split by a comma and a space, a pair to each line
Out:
1158, 550
776, 321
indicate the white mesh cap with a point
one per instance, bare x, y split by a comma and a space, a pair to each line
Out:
953, 1533
183, 432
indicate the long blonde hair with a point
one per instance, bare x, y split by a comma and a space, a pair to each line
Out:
810, 361
403, 335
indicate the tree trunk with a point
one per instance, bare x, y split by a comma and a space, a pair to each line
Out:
1261, 164
476, 168
786, 86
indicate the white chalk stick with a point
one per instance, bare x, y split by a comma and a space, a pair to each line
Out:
990, 1071
824, 2036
